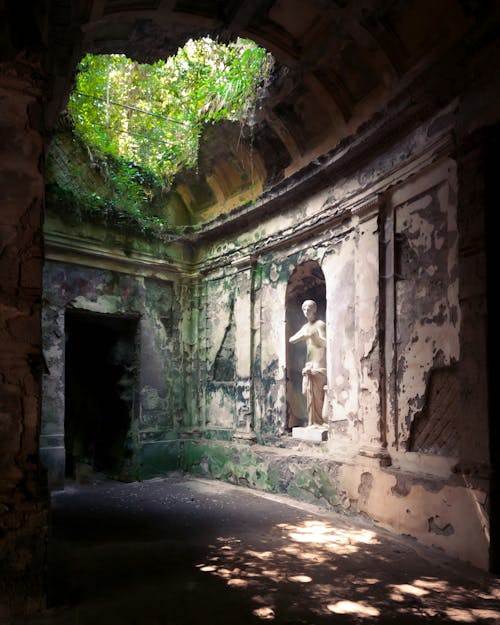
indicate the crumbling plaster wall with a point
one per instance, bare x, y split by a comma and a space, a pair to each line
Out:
219, 344
421, 322
24, 93
363, 225
352, 323
158, 402
387, 239
224, 349
426, 312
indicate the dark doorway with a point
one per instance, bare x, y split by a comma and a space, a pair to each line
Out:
100, 389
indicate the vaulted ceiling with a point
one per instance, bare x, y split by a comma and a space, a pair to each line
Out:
341, 65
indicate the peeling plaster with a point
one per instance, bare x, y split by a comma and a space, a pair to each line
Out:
229, 299
426, 297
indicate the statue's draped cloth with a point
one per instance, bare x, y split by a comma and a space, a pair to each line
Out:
313, 383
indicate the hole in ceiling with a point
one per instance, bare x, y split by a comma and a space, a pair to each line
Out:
130, 129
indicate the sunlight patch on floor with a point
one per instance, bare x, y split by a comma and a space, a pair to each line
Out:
352, 607
265, 613
342, 541
432, 583
312, 553
460, 616
409, 589
304, 579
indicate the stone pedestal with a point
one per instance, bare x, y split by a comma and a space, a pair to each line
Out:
313, 433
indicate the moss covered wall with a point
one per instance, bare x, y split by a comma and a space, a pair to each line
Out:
216, 370
437, 509
157, 402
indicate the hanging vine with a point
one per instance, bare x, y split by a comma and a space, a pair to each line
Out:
141, 124
153, 116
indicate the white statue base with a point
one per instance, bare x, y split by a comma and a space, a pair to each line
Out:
313, 433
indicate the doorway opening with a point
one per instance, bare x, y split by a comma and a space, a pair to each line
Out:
100, 388
307, 281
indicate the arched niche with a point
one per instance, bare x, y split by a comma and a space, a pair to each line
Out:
307, 281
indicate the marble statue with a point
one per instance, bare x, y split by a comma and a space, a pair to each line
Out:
314, 372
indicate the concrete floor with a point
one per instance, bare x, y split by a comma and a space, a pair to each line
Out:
182, 550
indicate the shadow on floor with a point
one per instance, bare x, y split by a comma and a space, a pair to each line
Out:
181, 550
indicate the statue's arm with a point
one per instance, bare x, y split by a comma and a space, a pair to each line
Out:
298, 336
321, 327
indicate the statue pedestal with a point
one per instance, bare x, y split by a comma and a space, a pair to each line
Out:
314, 433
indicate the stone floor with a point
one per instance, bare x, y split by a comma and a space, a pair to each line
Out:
185, 551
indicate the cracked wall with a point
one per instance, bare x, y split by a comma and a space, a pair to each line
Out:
426, 289
392, 271
374, 155
219, 370
398, 278
157, 396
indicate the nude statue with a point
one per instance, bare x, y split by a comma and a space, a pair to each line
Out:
314, 372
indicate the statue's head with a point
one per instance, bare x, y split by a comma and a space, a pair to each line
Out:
309, 309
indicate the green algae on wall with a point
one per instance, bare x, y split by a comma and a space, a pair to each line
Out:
151, 390
158, 458
302, 477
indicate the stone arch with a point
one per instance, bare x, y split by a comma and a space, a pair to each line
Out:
307, 281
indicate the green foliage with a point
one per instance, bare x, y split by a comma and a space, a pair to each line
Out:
130, 128
149, 118
76, 206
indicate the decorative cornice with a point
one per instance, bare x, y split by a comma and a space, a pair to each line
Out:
368, 210
364, 204
245, 262
79, 251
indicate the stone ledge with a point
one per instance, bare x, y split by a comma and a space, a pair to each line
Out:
312, 433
